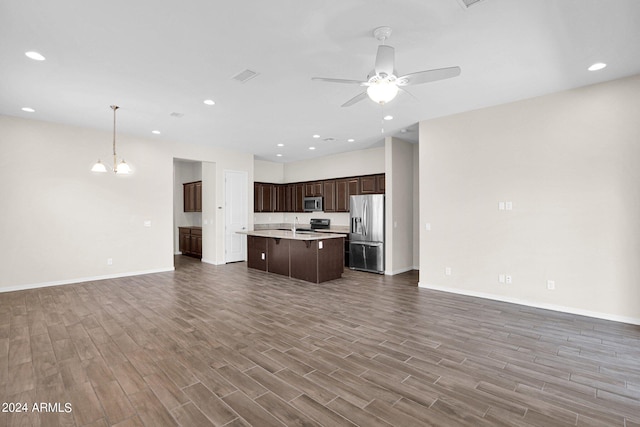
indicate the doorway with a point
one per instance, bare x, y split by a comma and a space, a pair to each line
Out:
236, 205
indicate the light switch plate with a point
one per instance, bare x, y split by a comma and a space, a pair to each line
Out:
509, 206
501, 206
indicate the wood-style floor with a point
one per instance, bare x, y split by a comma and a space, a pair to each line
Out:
227, 346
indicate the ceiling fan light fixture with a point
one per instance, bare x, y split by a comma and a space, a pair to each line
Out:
382, 91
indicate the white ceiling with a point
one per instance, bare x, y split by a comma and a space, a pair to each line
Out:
155, 57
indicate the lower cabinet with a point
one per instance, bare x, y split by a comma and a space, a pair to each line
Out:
257, 252
278, 251
310, 260
190, 241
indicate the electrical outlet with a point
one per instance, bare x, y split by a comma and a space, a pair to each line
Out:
428, 226
501, 278
320, 244
508, 279
447, 271
551, 285
262, 255
109, 261
147, 223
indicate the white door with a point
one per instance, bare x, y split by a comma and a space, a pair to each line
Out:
235, 201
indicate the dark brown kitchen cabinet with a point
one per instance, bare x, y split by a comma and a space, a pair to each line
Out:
372, 184
190, 241
329, 191
281, 198
298, 198
257, 252
313, 189
264, 197
278, 253
317, 260
345, 188
380, 182
192, 196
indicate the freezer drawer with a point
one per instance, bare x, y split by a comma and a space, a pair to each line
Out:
366, 256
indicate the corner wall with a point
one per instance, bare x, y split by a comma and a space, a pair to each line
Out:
568, 162
60, 222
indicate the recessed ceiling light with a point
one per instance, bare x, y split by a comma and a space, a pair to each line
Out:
597, 66
388, 117
279, 155
209, 102
156, 132
35, 56
351, 140
28, 109
316, 136
281, 145
403, 131
312, 148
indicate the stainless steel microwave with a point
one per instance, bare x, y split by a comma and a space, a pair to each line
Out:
312, 204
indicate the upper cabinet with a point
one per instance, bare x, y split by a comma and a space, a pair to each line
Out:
335, 193
372, 184
192, 196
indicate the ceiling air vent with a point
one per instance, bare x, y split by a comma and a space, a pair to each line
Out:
177, 115
468, 3
244, 76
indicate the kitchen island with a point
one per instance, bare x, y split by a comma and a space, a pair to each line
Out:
314, 257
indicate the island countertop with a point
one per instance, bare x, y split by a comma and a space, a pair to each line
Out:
288, 234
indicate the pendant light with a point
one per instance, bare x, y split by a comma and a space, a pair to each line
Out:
120, 169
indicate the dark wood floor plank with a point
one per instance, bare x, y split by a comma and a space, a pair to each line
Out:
226, 345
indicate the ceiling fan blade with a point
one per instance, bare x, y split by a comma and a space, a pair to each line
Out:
385, 60
355, 99
406, 92
344, 81
428, 76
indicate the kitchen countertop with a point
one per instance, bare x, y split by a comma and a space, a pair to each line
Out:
344, 229
288, 234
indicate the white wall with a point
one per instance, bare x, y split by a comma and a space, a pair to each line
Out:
399, 201
416, 206
353, 163
60, 222
270, 172
569, 163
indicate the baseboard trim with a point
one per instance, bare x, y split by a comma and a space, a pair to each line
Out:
208, 261
553, 307
82, 280
400, 271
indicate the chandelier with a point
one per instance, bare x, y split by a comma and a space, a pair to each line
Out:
120, 169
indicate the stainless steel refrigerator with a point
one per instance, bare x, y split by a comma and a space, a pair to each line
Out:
366, 236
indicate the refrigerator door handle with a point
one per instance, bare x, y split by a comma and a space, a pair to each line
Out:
364, 218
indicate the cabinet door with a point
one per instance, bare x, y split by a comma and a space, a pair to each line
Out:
368, 185
268, 198
257, 197
197, 196
380, 183
304, 260
329, 191
184, 240
299, 197
308, 189
281, 198
189, 190
257, 252
278, 250
342, 196
289, 196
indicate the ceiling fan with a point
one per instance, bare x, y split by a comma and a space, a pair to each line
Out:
382, 83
